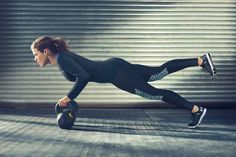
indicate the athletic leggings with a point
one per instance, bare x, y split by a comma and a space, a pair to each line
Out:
134, 78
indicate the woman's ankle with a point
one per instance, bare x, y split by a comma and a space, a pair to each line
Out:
195, 109
200, 61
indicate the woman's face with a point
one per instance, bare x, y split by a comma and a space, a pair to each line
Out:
40, 58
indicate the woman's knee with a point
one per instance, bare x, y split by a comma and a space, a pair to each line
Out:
148, 95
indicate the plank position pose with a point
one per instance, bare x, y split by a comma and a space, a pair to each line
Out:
132, 78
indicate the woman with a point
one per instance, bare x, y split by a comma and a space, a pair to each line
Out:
129, 77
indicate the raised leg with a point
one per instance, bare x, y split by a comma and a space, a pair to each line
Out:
149, 73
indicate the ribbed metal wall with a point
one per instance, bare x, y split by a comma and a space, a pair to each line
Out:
148, 32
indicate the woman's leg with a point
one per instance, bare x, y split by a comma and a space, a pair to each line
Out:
156, 73
128, 80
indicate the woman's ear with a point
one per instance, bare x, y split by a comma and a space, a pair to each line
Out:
46, 51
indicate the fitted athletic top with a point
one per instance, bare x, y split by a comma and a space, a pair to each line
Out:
80, 70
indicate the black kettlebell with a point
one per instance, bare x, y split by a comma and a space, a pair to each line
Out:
66, 115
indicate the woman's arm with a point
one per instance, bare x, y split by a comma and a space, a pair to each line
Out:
68, 65
67, 75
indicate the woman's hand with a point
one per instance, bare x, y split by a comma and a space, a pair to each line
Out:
63, 102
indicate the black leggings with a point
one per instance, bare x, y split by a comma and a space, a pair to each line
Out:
133, 78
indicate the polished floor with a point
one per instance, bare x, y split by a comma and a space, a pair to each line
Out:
115, 132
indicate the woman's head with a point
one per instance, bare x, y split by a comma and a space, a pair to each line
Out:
44, 48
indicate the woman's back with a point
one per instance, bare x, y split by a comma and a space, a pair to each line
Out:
98, 71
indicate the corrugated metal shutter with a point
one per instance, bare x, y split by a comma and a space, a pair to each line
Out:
147, 32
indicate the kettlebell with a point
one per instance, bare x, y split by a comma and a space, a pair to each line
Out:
66, 115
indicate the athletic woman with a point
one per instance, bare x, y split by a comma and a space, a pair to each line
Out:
132, 78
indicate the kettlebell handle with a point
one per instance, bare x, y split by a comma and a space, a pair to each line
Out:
72, 105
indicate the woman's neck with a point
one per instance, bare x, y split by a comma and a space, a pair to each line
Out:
52, 59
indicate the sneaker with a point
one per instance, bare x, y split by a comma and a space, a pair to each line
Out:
208, 65
197, 117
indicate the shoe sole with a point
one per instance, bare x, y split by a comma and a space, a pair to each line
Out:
211, 65
200, 120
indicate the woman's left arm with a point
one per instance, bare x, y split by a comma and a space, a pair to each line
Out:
81, 77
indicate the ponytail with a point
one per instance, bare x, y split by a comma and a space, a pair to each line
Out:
61, 44
55, 45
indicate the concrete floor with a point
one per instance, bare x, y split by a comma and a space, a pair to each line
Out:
117, 133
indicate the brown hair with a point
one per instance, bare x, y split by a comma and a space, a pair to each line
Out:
55, 45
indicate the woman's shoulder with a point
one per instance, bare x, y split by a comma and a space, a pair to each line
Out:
60, 57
